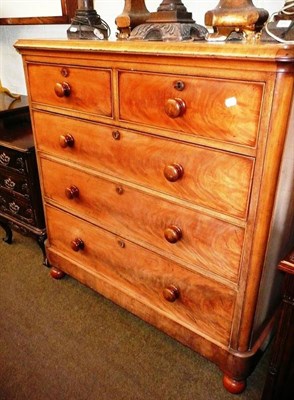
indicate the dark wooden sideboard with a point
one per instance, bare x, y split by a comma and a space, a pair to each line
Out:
20, 197
279, 384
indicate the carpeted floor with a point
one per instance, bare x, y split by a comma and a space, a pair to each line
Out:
60, 340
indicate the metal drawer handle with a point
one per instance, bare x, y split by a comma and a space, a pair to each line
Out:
9, 183
4, 159
14, 208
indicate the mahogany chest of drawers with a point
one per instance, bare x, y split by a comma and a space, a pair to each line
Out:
20, 196
161, 169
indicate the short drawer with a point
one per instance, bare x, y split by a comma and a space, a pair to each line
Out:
18, 208
73, 88
12, 160
225, 110
195, 238
14, 183
206, 177
189, 298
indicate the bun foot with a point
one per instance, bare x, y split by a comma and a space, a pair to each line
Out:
233, 386
56, 273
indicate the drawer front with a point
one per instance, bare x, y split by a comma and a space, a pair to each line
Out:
12, 160
205, 177
15, 184
73, 88
20, 209
201, 304
197, 239
219, 109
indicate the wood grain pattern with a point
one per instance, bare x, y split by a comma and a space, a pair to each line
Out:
181, 166
215, 108
144, 275
212, 179
207, 242
90, 89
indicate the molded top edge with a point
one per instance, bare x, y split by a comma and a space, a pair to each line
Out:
253, 51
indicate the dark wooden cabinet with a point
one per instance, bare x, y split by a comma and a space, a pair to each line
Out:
280, 379
20, 197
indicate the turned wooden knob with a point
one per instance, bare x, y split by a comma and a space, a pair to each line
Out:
173, 172
72, 192
66, 141
171, 293
173, 234
62, 89
77, 244
175, 107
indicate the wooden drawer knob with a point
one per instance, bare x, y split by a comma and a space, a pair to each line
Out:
173, 234
66, 141
175, 107
173, 172
171, 293
62, 89
72, 192
77, 244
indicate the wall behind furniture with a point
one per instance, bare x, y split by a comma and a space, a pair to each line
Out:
11, 71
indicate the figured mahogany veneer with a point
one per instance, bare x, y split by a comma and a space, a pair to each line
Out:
101, 253
160, 166
80, 89
213, 179
161, 102
133, 213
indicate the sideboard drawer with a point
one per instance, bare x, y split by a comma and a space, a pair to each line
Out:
74, 88
18, 208
12, 160
14, 183
173, 229
202, 304
220, 109
206, 177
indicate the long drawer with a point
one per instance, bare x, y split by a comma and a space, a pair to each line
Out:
226, 110
71, 88
195, 238
206, 177
190, 298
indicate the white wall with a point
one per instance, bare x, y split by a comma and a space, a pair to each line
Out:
11, 71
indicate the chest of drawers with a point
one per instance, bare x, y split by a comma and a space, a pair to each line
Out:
20, 197
165, 171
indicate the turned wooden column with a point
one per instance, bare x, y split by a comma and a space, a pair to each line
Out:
85, 4
239, 16
134, 14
